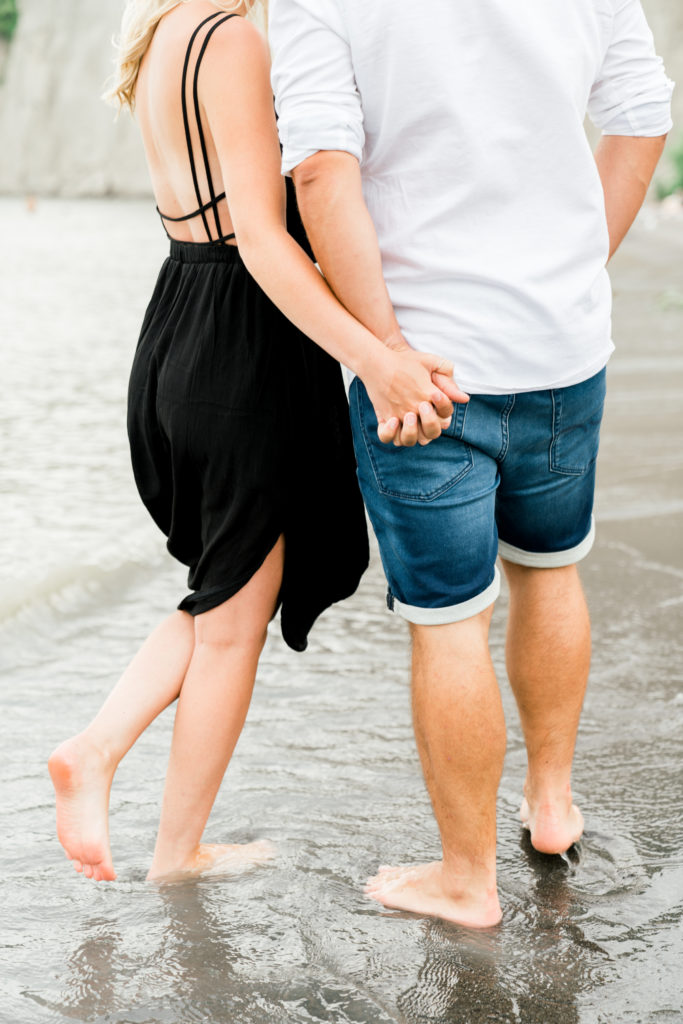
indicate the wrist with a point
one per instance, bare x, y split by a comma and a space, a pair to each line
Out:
395, 340
373, 361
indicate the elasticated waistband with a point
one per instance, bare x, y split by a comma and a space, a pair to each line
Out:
204, 252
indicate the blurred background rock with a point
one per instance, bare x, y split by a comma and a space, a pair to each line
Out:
58, 138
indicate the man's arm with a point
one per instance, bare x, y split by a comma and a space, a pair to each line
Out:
631, 102
343, 238
322, 134
626, 165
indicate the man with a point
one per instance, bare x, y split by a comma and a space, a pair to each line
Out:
453, 203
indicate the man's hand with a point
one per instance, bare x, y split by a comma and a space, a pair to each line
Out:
410, 407
426, 422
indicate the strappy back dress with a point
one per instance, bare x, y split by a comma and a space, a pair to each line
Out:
238, 424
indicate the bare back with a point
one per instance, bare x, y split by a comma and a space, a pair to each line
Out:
179, 146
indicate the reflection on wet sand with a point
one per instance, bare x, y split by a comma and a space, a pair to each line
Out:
530, 969
92, 970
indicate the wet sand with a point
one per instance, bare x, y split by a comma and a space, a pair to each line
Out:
326, 767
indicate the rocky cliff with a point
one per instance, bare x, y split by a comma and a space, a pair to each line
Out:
58, 138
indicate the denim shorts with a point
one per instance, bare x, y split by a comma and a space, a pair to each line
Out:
513, 475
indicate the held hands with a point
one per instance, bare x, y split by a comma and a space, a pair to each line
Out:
412, 394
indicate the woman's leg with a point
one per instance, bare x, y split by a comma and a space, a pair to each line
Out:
83, 767
211, 711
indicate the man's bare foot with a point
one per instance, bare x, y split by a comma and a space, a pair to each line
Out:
555, 825
82, 777
424, 889
211, 859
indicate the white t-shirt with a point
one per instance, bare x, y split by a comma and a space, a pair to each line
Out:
467, 119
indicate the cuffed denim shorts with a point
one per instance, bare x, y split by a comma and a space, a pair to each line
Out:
513, 475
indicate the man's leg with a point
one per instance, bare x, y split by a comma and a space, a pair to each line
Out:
548, 657
433, 511
544, 516
460, 732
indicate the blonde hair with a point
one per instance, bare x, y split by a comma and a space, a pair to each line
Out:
140, 20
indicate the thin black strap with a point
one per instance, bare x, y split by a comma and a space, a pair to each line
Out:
163, 224
213, 203
186, 120
217, 241
189, 216
198, 116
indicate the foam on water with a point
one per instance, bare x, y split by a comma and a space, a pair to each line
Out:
69, 587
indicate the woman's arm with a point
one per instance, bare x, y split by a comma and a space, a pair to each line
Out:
235, 91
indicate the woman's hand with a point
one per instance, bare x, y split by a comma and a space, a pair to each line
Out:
411, 407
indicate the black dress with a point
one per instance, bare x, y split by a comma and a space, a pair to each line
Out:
239, 429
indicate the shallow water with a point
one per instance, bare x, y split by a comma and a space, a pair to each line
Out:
326, 767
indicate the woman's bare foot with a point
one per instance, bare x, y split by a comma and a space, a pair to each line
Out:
554, 824
82, 777
211, 859
424, 889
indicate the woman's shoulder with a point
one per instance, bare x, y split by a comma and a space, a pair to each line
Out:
236, 63
235, 73
237, 39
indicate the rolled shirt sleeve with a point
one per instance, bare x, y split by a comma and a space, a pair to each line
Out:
316, 96
632, 94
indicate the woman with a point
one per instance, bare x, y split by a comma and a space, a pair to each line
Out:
237, 423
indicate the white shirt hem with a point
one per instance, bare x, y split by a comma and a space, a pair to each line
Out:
577, 377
